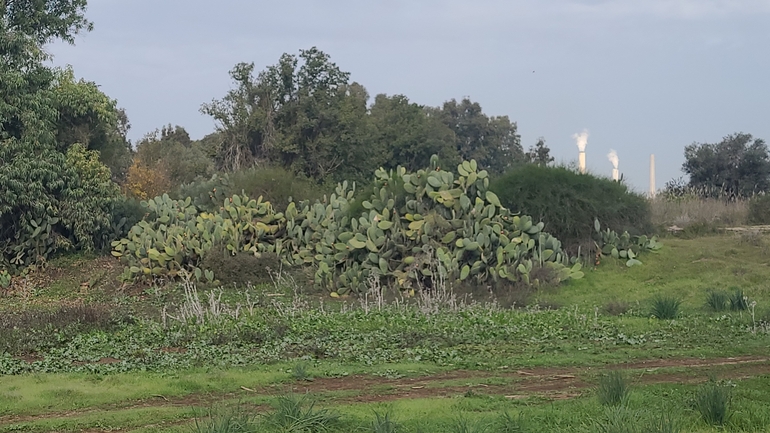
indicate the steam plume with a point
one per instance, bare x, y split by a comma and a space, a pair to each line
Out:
582, 140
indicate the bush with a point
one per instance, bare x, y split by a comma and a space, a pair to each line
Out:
51, 202
568, 202
613, 390
298, 414
712, 401
276, 185
717, 301
759, 209
242, 268
665, 307
383, 423
739, 301
224, 420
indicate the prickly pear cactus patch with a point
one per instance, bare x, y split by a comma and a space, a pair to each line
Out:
413, 225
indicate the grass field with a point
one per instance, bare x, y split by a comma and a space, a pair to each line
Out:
80, 353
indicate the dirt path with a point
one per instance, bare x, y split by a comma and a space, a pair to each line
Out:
550, 383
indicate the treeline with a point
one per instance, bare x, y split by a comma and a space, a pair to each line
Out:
69, 177
304, 114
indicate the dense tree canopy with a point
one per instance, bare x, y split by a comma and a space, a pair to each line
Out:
406, 135
304, 113
739, 165
54, 191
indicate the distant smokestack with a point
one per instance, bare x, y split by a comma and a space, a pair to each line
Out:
582, 140
613, 157
652, 176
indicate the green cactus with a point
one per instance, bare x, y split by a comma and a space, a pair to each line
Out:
451, 217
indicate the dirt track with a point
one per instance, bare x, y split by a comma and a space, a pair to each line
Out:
550, 383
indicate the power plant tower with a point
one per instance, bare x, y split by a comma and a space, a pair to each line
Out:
613, 157
652, 176
582, 140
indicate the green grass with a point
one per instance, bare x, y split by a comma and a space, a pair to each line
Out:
684, 268
651, 405
712, 401
613, 389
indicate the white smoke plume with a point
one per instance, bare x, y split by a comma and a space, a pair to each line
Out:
613, 157
581, 139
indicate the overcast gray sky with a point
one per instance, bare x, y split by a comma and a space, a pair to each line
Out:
643, 76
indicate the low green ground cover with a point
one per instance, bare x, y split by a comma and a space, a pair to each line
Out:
154, 361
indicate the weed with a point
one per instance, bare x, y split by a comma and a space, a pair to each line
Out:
383, 423
665, 423
665, 307
464, 425
738, 301
618, 419
712, 401
717, 300
295, 414
223, 420
613, 389
300, 372
508, 424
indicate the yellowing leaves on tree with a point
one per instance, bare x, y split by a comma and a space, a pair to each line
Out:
144, 182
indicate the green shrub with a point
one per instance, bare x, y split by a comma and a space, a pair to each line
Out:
613, 389
224, 420
241, 268
383, 423
739, 301
568, 202
276, 185
51, 202
300, 372
298, 414
759, 209
508, 424
665, 307
712, 401
717, 301
126, 213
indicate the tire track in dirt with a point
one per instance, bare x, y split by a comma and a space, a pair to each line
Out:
553, 383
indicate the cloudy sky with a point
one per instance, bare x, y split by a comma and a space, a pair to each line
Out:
643, 76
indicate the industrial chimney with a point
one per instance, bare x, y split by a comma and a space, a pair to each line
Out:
652, 176
613, 157
582, 140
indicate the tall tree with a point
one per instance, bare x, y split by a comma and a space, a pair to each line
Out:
739, 165
492, 141
89, 117
405, 134
42, 190
540, 153
302, 113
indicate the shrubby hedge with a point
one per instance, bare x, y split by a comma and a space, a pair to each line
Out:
568, 202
